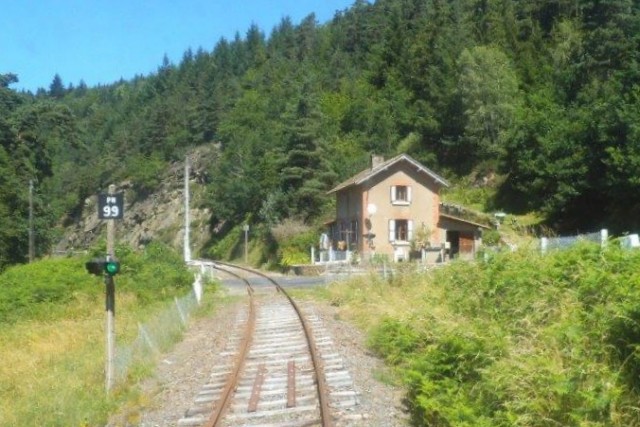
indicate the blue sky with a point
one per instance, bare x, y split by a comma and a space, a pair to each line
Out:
103, 41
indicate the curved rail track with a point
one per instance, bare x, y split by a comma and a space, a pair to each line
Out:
276, 368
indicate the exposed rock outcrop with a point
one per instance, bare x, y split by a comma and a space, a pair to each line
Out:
158, 216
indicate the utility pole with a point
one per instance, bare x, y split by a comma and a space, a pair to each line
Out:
187, 220
246, 242
110, 301
32, 250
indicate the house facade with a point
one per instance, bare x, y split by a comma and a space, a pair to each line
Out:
393, 209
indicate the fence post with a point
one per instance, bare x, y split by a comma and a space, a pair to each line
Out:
197, 287
604, 237
183, 318
543, 245
147, 339
313, 255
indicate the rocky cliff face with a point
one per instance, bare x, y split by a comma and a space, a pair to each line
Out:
158, 216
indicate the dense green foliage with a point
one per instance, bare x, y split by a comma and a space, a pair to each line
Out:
545, 94
521, 340
295, 250
43, 289
36, 289
281, 246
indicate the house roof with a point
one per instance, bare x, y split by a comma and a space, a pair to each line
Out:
371, 172
465, 221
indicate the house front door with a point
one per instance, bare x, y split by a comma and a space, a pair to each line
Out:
466, 243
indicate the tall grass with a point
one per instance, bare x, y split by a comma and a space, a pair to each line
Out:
52, 348
521, 340
52, 372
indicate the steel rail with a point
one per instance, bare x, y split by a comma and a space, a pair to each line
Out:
321, 384
232, 379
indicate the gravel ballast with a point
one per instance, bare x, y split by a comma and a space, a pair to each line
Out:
181, 373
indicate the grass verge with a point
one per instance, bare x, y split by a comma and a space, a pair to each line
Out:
519, 340
53, 372
52, 342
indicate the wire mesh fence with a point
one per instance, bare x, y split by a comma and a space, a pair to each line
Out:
384, 269
563, 242
155, 336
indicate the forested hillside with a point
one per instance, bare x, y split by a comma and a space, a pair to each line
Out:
544, 95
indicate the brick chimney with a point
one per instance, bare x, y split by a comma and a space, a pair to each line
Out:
376, 160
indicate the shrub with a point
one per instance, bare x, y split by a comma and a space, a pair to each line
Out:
35, 290
294, 241
521, 339
227, 247
44, 289
394, 340
445, 384
491, 237
155, 274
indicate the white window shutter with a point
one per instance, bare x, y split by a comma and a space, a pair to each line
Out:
410, 229
393, 193
392, 230
409, 193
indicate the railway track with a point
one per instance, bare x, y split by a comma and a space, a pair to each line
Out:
279, 367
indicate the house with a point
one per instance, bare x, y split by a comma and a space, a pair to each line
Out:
393, 209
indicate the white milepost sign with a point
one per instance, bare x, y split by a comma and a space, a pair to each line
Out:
110, 206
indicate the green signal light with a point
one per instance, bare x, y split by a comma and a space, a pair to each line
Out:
99, 267
112, 267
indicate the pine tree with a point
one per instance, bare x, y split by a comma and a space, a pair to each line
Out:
56, 88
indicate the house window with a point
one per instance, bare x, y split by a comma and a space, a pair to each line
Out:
400, 230
349, 235
400, 194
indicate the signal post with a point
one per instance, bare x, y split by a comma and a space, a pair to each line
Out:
110, 298
110, 208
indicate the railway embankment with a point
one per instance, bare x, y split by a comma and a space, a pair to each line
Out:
518, 339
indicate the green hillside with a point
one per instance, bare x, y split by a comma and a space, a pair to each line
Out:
544, 96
